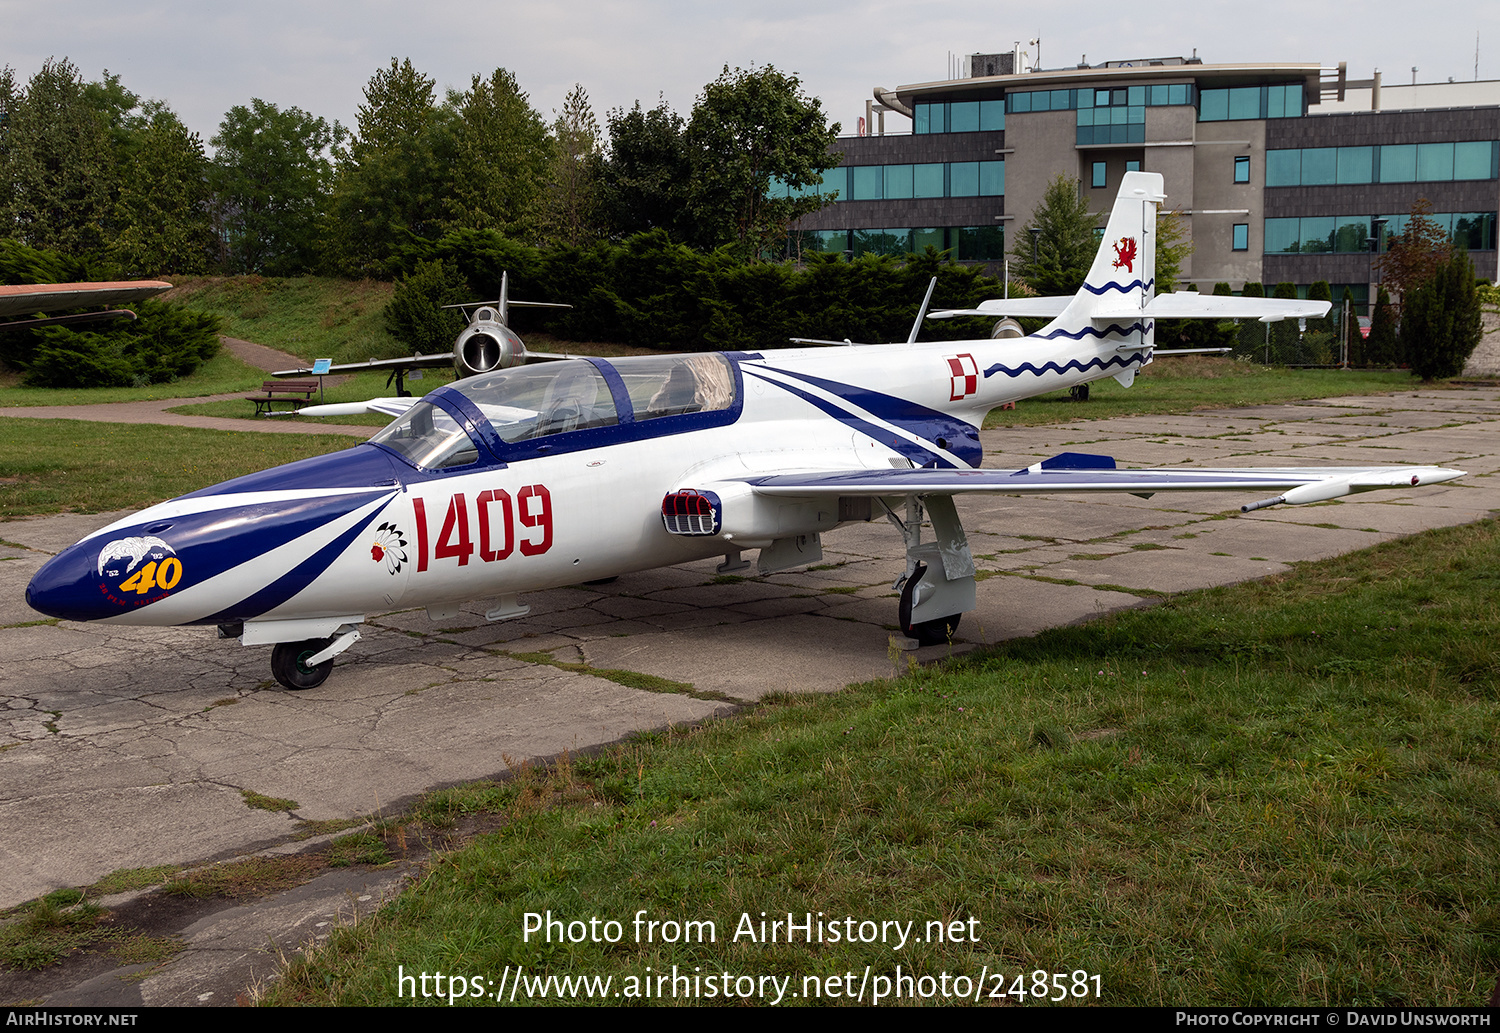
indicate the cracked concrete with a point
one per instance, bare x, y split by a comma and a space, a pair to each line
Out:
128, 747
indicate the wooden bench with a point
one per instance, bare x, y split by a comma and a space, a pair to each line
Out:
283, 391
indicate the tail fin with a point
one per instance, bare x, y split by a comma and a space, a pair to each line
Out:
1122, 280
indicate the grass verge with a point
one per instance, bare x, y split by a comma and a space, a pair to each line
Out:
1280, 793
51, 466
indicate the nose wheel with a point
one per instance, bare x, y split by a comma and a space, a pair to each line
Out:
290, 667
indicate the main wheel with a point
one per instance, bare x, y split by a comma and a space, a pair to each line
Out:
289, 663
1079, 392
927, 633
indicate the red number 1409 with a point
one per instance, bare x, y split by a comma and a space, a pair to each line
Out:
499, 524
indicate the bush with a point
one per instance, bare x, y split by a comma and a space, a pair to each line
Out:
163, 344
1440, 320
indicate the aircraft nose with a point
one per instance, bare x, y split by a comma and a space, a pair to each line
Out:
69, 586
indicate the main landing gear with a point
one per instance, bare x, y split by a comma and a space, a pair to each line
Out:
938, 584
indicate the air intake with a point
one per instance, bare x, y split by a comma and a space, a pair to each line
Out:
692, 513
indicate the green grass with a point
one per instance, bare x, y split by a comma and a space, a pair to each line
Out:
51, 466
222, 374
309, 316
1283, 792
1186, 383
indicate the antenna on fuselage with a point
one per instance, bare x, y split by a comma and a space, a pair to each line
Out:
505, 298
911, 338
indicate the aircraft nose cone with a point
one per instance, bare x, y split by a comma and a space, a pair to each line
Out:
69, 586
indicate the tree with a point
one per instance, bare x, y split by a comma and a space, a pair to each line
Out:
394, 176
645, 177
748, 129
57, 170
1441, 321
162, 219
1383, 347
1065, 243
501, 155
416, 315
1414, 256
271, 175
571, 201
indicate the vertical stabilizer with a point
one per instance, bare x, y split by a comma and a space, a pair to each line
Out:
1122, 280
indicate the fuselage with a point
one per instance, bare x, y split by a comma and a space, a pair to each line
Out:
550, 475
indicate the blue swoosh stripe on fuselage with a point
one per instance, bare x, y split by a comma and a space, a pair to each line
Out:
294, 580
912, 417
1072, 364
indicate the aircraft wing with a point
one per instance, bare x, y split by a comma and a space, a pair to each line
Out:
23, 299
435, 360
381, 406
1077, 472
1031, 308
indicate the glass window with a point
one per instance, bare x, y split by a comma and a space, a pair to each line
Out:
963, 179
1317, 234
1179, 94
1159, 96
835, 181
1434, 162
546, 398
1018, 102
1132, 166
670, 385
428, 438
1356, 164
1242, 168
991, 115
866, 182
927, 180
991, 178
921, 121
882, 242
1100, 178
1101, 98
1283, 236
1351, 234
1244, 102
925, 238
1398, 163
963, 116
1283, 168
1319, 166
979, 243
1136, 95
1242, 236
1474, 160
897, 181
1213, 105
1062, 100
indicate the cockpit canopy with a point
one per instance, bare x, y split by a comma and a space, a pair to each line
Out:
553, 399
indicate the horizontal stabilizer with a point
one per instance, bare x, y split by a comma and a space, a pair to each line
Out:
1031, 308
1192, 305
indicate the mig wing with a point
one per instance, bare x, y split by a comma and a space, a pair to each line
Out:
24, 299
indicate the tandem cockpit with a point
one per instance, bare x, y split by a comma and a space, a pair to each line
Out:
550, 408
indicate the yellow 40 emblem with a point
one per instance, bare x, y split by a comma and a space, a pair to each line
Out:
163, 575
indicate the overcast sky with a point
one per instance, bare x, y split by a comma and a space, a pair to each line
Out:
203, 57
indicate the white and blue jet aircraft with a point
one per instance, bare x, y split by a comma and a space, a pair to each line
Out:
542, 475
